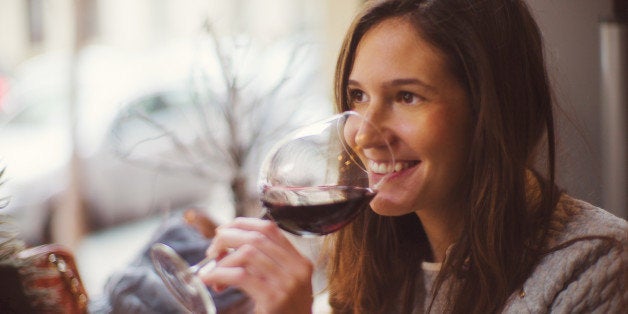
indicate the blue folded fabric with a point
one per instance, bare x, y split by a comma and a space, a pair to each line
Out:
139, 289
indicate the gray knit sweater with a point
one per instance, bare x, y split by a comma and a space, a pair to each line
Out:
589, 276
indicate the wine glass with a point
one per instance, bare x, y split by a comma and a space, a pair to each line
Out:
313, 182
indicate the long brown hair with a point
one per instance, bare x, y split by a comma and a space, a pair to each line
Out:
494, 48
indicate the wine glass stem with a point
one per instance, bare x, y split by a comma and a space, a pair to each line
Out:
208, 262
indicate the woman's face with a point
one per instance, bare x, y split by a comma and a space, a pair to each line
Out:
403, 85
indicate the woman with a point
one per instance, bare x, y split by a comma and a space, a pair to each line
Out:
472, 220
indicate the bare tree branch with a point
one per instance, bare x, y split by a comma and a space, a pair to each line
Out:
165, 132
238, 116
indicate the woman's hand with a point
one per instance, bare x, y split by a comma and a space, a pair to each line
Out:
262, 263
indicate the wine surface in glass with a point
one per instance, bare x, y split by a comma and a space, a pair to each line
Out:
310, 211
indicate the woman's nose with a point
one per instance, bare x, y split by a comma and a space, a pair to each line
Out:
365, 131
368, 136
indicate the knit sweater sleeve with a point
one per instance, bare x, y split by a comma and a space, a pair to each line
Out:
587, 267
597, 283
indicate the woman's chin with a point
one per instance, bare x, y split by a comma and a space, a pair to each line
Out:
386, 207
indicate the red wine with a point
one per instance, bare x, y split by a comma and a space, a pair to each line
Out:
316, 210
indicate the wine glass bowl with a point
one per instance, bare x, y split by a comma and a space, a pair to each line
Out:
315, 181
312, 182
323, 152
315, 211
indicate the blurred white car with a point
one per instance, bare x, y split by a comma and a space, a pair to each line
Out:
124, 183
114, 190
36, 146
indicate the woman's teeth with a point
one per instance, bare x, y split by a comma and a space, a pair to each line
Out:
387, 167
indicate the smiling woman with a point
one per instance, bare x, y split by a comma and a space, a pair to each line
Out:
462, 92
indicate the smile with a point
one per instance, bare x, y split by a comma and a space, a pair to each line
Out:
388, 167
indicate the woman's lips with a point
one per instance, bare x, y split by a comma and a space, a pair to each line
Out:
381, 172
383, 168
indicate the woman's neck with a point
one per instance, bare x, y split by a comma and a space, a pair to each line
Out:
442, 228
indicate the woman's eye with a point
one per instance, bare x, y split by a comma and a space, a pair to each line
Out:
408, 98
357, 96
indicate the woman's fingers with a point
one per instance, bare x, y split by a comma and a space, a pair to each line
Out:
268, 297
243, 265
259, 263
266, 227
262, 262
259, 245
264, 235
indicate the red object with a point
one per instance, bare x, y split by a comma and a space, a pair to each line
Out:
4, 88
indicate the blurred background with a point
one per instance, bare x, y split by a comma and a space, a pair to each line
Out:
115, 114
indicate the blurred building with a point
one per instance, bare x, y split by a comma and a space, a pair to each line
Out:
31, 27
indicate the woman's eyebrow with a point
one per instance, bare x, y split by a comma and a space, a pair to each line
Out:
398, 82
353, 82
409, 81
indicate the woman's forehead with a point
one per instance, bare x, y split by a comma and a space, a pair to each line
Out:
393, 49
